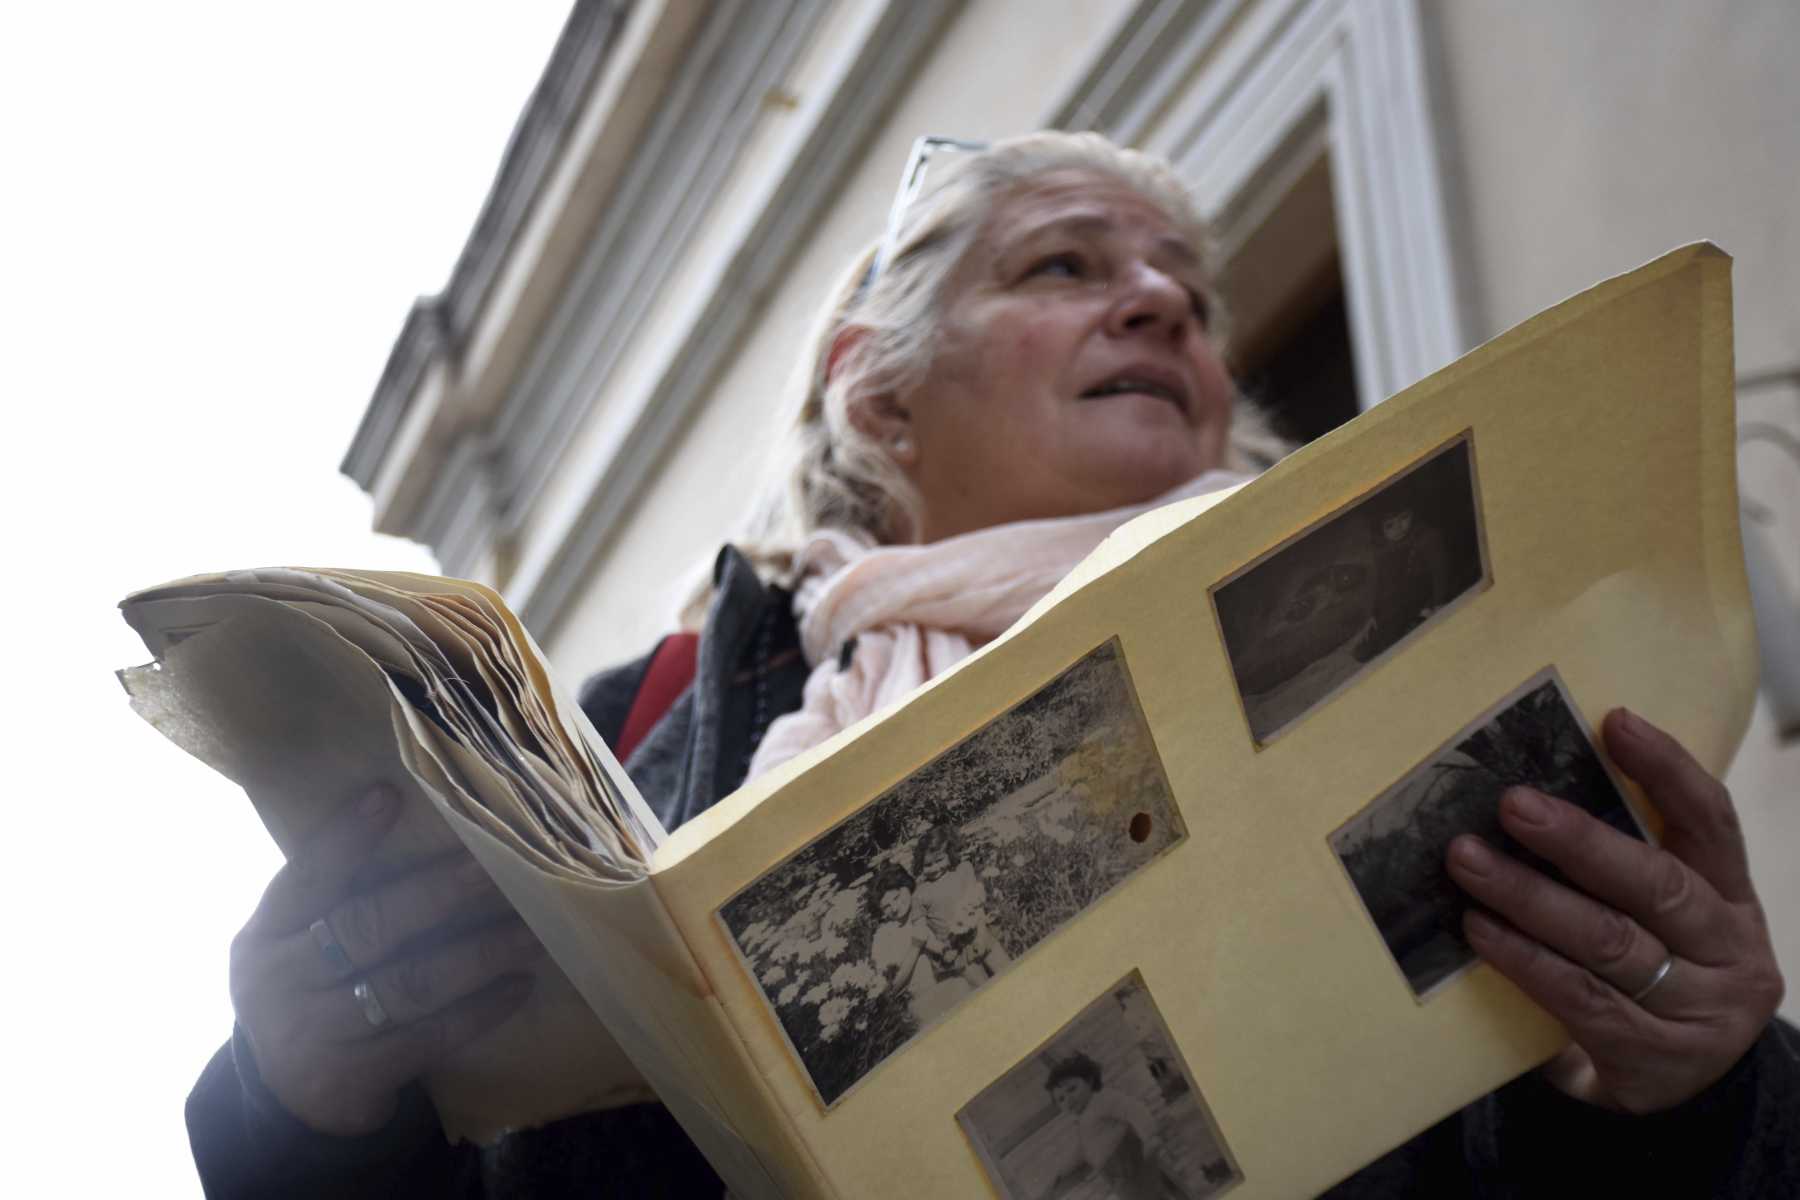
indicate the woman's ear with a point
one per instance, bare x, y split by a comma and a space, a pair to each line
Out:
878, 416
885, 420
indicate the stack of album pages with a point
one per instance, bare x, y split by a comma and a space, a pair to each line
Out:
306, 687
1169, 850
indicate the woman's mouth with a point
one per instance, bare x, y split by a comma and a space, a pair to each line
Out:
1161, 385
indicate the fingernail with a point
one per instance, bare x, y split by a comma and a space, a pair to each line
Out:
1527, 805
1472, 855
1632, 725
376, 800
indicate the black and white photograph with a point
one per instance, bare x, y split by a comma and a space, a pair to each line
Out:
882, 926
1394, 849
1305, 619
1105, 1110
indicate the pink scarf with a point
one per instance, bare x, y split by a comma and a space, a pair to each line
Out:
915, 611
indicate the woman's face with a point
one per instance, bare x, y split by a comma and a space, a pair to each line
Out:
1075, 373
1072, 1095
937, 861
895, 904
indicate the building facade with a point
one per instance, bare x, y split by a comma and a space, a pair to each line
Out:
580, 416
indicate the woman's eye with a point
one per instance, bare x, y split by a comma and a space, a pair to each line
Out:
1197, 301
1066, 266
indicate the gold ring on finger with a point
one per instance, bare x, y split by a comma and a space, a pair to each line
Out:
1662, 973
372, 1010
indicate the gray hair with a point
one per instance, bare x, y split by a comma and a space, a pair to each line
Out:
830, 474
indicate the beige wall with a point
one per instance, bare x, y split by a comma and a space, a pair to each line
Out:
1582, 139
1587, 138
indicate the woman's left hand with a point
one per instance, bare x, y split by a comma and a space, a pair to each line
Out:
1645, 1038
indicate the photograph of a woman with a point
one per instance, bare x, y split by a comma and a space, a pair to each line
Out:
1115, 1139
1105, 1110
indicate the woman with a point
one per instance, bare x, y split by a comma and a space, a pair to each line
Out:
1034, 361
1114, 1135
953, 903
907, 952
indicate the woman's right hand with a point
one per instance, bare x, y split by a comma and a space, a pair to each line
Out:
317, 1044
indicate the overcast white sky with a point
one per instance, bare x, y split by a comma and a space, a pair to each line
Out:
215, 218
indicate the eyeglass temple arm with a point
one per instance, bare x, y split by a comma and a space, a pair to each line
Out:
912, 180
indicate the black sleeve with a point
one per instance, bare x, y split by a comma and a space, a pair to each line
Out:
246, 1145
1738, 1140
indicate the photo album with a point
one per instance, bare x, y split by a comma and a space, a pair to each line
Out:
1140, 897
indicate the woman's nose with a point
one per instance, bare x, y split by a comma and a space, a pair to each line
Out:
1151, 301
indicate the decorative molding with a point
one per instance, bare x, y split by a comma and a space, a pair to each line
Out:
438, 325
1769, 377
670, 189
422, 341
703, 121
1239, 91
790, 193
460, 520
553, 110
1153, 51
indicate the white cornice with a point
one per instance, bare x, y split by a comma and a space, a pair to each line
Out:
787, 189
1154, 49
606, 77
669, 188
585, 183
683, 133
601, 40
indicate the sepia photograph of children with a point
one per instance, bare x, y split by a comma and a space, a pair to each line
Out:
877, 930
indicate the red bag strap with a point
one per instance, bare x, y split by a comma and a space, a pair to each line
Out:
671, 670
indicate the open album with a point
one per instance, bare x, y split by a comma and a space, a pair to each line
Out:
1166, 856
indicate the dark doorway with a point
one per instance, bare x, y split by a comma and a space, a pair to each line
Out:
1307, 381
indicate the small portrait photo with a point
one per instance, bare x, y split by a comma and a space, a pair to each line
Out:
879, 928
1394, 849
1305, 619
1105, 1110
